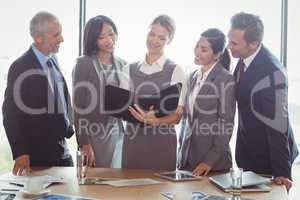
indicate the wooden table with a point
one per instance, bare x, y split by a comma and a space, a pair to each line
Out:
152, 192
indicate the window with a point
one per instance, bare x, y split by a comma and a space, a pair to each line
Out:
133, 18
293, 67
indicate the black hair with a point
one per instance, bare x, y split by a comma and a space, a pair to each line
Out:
217, 40
92, 31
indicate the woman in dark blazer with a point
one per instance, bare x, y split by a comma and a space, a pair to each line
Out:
209, 108
98, 134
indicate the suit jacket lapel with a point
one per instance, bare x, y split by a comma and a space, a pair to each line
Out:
193, 81
206, 87
236, 70
36, 65
66, 91
251, 71
186, 122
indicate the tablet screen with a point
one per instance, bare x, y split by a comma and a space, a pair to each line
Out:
178, 175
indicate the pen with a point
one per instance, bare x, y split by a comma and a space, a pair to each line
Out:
17, 184
9, 190
9, 197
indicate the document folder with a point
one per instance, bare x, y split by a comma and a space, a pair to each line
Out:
117, 101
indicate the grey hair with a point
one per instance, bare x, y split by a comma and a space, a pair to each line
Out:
167, 22
251, 24
39, 22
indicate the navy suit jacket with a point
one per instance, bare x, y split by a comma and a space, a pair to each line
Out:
39, 133
265, 141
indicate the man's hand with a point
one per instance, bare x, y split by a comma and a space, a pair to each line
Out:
202, 169
280, 180
22, 165
88, 150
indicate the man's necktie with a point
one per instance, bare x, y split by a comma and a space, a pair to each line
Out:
59, 99
241, 68
51, 69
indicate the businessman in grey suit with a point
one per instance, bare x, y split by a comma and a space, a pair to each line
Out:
265, 141
209, 109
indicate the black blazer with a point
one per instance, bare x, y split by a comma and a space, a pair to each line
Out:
39, 133
265, 140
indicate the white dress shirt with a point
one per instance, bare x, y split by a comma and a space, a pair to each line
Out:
248, 60
178, 75
200, 80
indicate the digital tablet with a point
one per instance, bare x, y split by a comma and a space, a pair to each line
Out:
178, 175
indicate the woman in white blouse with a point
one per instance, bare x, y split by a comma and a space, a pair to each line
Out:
153, 145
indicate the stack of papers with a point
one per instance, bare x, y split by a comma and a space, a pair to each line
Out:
22, 180
132, 182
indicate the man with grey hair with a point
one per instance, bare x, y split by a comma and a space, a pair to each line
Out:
265, 141
36, 108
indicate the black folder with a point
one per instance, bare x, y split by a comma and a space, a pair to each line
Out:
117, 101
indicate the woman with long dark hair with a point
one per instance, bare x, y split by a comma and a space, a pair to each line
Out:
209, 110
99, 135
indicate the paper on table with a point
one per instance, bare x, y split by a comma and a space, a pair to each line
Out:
183, 195
48, 180
97, 181
132, 182
5, 187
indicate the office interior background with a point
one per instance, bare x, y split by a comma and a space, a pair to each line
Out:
132, 18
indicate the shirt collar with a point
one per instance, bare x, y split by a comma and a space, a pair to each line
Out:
159, 62
249, 59
40, 56
205, 75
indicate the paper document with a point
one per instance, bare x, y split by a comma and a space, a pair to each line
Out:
132, 182
48, 180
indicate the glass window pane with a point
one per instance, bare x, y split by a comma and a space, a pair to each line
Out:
293, 67
192, 17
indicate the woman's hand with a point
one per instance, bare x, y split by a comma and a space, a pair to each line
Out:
202, 169
144, 117
88, 150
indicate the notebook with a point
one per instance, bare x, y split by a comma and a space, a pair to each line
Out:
117, 100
